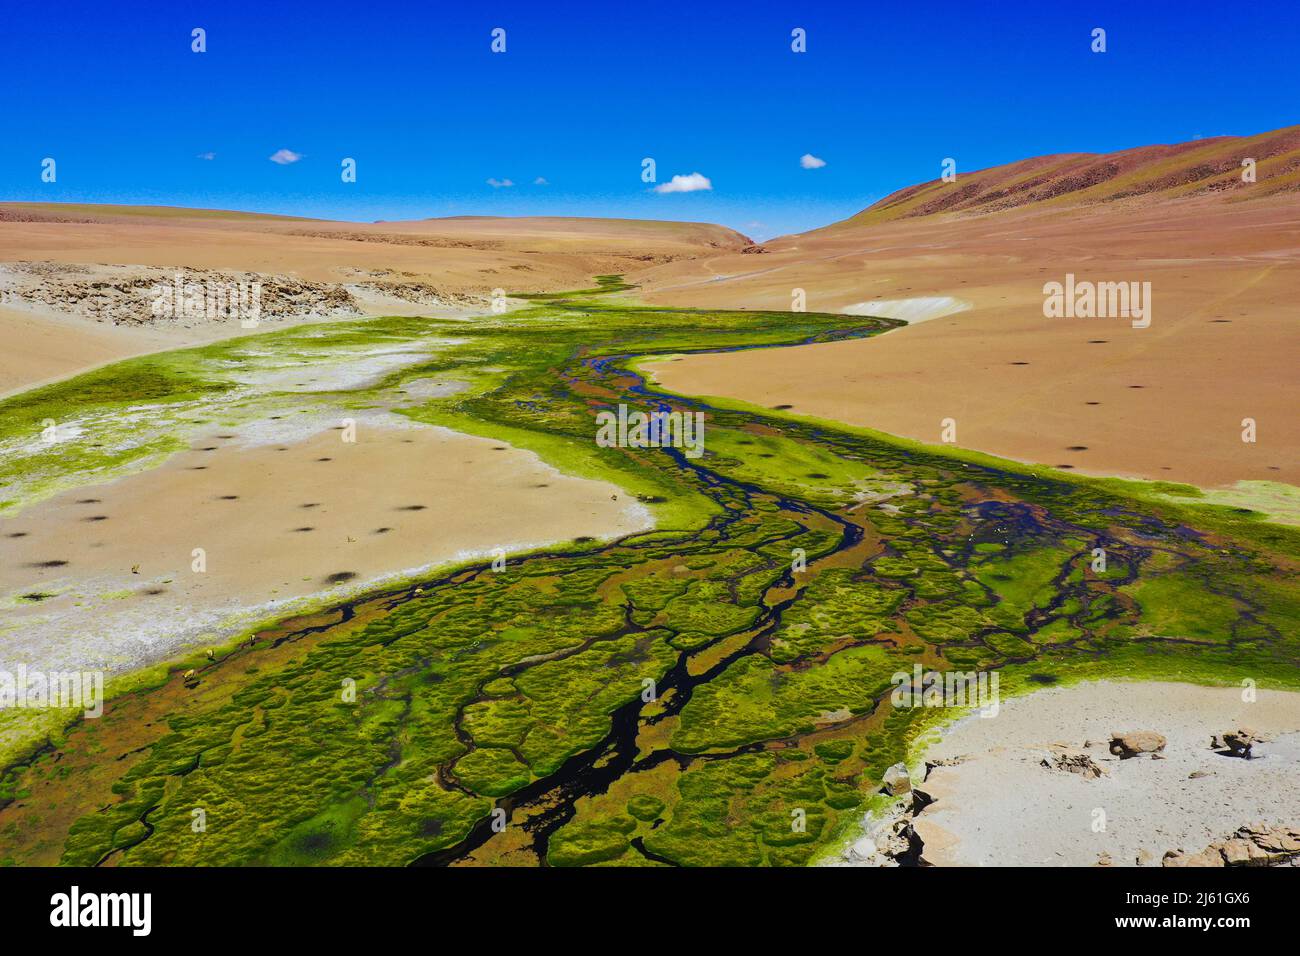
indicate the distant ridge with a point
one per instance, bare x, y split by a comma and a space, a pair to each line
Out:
1143, 174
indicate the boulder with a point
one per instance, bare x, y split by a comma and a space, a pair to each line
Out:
1134, 742
1241, 740
897, 781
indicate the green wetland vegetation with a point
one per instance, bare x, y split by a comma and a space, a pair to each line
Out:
677, 697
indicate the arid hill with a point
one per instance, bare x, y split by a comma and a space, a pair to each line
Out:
75, 279
970, 260
1151, 173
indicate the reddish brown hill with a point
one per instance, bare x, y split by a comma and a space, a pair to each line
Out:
1146, 173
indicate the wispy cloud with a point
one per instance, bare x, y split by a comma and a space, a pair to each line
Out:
207, 156
685, 184
499, 183
540, 181
284, 157
809, 161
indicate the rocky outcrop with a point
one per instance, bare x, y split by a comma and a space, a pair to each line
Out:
1239, 742
1256, 845
1073, 761
897, 781
151, 295
1134, 742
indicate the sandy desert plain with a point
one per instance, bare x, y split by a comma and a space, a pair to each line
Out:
368, 591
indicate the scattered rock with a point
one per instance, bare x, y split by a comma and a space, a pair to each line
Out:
897, 781
890, 842
1134, 742
1255, 845
1178, 858
1073, 761
1240, 741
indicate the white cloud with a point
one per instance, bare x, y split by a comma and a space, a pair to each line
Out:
207, 156
809, 161
285, 156
498, 183
685, 184
540, 181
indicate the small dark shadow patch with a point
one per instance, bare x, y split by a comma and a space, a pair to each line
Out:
96, 518
1042, 678
338, 577
412, 507
48, 564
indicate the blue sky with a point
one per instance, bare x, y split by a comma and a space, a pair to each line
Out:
585, 91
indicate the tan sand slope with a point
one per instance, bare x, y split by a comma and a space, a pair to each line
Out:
275, 521
102, 261
43, 348
1095, 394
1000, 806
468, 254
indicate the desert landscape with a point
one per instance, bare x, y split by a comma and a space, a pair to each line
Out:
321, 456
960, 531
1088, 394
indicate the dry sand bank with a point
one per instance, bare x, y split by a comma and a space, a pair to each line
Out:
277, 515
39, 349
997, 805
1097, 395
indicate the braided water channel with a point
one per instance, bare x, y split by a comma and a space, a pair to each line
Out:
963, 566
